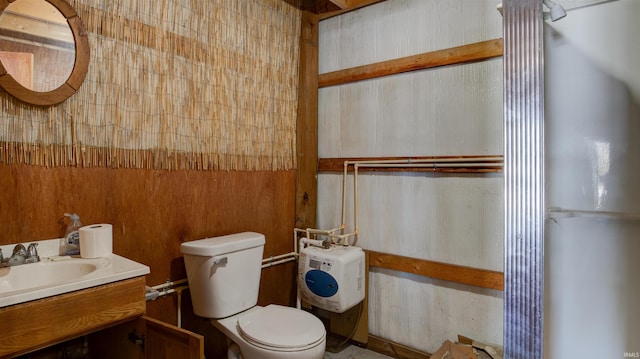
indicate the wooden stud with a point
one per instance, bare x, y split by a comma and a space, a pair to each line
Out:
307, 124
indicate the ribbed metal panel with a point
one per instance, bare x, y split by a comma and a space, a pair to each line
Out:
524, 174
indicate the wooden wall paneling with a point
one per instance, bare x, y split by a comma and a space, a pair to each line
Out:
153, 212
307, 124
456, 55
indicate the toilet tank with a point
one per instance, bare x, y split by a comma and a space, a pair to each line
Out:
224, 273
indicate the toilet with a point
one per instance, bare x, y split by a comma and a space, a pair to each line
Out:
224, 279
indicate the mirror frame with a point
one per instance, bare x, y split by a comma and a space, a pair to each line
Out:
80, 67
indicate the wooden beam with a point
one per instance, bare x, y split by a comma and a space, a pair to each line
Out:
450, 272
456, 55
307, 124
337, 164
343, 4
350, 6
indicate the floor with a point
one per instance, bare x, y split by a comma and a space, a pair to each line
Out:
353, 351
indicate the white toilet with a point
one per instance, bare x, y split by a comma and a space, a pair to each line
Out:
224, 279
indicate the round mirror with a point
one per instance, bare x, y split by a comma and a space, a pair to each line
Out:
44, 51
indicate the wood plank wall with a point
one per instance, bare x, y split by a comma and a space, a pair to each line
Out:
152, 213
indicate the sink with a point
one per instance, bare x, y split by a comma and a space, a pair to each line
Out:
56, 274
24, 277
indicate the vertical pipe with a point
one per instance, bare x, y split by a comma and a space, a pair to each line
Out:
179, 292
344, 196
524, 174
355, 199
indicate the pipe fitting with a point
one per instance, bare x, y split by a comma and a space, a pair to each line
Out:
151, 294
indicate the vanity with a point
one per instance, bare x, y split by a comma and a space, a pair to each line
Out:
60, 298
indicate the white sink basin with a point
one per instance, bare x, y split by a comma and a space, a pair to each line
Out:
55, 275
40, 274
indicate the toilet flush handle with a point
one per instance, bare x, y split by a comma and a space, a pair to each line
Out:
219, 260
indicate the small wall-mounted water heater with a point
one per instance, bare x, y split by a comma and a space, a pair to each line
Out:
331, 278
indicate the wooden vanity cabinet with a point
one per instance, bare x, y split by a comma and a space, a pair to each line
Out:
38, 324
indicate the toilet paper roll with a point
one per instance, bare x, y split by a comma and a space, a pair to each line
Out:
96, 240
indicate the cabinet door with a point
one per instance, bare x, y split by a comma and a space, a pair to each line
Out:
165, 341
144, 338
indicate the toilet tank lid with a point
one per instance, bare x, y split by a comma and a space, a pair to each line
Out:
221, 245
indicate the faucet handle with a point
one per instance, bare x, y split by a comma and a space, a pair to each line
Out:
32, 253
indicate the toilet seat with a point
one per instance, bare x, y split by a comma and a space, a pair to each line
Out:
280, 328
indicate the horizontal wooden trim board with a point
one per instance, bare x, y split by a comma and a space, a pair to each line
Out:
478, 51
450, 272
447, 164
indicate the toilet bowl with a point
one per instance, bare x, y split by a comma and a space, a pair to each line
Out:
224, 279
274, 332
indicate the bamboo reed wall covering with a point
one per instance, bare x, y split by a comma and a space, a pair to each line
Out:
172, 84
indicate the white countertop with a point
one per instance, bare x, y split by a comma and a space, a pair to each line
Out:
41, 279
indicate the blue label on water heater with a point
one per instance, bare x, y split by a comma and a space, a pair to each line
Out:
321, 283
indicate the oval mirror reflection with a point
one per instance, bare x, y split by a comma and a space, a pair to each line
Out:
36, 45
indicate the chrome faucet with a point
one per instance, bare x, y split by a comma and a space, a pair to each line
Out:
21, 255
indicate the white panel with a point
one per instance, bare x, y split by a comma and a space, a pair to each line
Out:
452, 110
399, 28
577, 4
455, 110
592, 123
609, 43
453, 219
595, 133
359, 114
422, 313
594, 109
328, 128
591, 308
